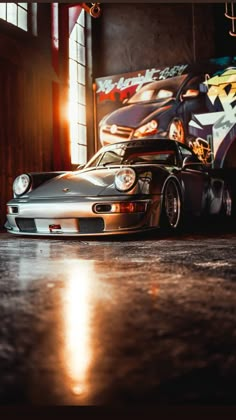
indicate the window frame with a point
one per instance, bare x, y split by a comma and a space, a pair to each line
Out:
77, 91
31, 10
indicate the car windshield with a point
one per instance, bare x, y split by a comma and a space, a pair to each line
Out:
122, 154
163, 89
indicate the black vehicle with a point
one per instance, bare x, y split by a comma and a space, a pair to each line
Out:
162, 108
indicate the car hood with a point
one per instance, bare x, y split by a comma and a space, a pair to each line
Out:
83, 183
92, 183
134, 115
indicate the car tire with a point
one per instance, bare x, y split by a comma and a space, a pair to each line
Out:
171, 212
227, 203
176, 130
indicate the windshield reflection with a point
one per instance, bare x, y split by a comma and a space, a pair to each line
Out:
161, 152
162, 89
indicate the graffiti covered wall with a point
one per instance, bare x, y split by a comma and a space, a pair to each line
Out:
194, 104
215, 131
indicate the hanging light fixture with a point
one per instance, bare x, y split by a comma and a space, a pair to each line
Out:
94, 10
230, 10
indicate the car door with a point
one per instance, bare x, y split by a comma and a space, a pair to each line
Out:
195, 181
191, 99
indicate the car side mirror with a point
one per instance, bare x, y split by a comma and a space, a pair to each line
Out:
203, 88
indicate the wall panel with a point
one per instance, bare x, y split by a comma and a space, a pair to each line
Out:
130, 36
25, 125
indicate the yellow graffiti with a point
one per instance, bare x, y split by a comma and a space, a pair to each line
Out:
219, 91
217, 87
228, 76
203, 151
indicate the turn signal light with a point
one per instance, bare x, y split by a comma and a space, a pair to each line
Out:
131, 207
124, 207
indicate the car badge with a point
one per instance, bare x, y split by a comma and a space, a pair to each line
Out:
113, 129
65, 190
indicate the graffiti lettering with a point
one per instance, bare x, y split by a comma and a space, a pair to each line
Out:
106, 86
172, 71
151, 75
226, 93
224, 88
202, 149
224, 123
140, 80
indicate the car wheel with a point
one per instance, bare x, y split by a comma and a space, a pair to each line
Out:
176, 130
171, 214
226, 206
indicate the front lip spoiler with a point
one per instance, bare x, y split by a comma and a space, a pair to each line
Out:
100, 234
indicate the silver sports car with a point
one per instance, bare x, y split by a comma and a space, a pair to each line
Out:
126, 187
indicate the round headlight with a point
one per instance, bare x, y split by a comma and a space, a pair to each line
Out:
21, 184
125, 179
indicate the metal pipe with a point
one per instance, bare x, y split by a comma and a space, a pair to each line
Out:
232, 17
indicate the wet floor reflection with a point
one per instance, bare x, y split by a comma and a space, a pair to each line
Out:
76, 314
86, 323
59, 301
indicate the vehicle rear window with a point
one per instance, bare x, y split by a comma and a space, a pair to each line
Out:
167, 157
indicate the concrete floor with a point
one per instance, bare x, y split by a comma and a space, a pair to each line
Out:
143, 320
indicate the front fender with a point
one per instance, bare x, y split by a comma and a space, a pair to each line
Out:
38, 178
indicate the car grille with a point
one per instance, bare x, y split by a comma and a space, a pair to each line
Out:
124, 133
26, 225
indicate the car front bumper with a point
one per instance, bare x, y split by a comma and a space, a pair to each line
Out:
52, 217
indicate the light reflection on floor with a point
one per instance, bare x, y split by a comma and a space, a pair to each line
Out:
86, 323
76, 313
